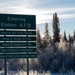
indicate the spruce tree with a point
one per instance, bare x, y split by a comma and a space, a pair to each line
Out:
65, 38
38, 38
74, 35
46, 33
46, 39
56, 29
69, 40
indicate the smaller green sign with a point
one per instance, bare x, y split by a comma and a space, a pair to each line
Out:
15, 21
17, 32
6, 56
17, 44
15, 38
16, 50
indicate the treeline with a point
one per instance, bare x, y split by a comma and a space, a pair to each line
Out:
57, 53
56, 32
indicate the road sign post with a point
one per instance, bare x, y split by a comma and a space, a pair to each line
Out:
27, 58
5, 60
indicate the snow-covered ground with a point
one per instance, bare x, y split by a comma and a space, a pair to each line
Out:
31, 73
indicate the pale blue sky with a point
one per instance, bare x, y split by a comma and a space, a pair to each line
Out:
44, 9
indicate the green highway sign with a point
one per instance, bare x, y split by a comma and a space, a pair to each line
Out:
14, 21
16, 38
15, 50
6, 56
17, 32
17, 44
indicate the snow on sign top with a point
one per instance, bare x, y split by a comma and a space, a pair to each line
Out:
14, 21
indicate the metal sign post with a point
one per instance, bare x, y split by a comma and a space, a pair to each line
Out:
27, 66
5, 67
5, 60
27, 58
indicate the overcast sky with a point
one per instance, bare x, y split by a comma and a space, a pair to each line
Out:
44, 9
